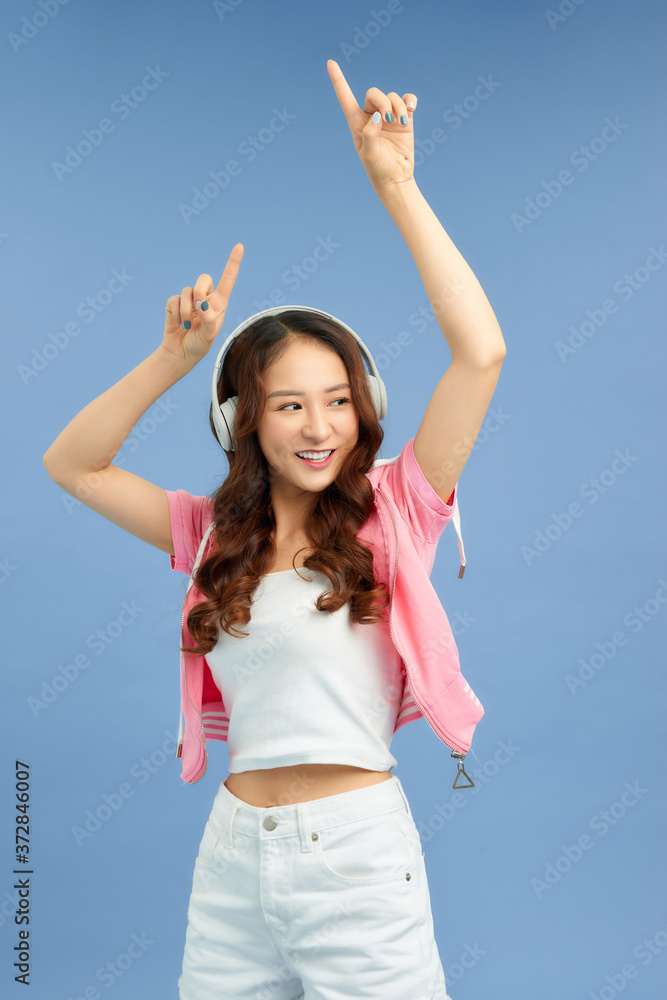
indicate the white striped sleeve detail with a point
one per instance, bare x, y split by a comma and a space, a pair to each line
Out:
215, 722
408, 706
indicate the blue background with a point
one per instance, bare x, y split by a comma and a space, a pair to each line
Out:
513, 916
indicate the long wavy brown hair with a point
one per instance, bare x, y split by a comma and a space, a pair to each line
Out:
244, 524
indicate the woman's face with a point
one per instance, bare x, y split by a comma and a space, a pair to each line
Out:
309, 408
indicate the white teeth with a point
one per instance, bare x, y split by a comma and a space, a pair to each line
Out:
315, 456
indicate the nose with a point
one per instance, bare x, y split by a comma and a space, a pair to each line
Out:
317, 426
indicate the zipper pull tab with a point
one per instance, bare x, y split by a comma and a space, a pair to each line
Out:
460, 758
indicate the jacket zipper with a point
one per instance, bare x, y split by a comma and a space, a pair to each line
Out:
201, 735
460, 757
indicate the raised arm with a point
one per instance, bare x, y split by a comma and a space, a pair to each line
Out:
80, 459
384, 140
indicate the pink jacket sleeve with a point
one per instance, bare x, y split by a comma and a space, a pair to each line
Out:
190, 517
418, 504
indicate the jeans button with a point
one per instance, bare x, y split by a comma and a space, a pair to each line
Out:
270, 823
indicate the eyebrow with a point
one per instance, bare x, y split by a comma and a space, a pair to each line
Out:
293, 392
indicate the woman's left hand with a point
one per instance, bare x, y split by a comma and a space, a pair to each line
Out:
386, 149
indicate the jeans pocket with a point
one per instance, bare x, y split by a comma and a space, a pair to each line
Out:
371, 850
207, 846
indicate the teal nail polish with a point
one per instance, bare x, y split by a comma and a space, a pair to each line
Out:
204, 306
403, 120
187, 324
389, 117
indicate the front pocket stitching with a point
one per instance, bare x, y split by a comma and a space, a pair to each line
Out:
370, 879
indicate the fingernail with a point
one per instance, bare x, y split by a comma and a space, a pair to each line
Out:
376, 117
411, 104
197, 304
204, 306
403, 120
187, 323
389, 117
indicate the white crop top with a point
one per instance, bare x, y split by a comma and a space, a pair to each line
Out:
333, 687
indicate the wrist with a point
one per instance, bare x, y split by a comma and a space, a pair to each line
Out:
174, 362
397, 191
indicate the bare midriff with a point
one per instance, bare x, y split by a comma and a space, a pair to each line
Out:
281, 786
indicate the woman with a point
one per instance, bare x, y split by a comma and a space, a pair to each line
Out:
309, 879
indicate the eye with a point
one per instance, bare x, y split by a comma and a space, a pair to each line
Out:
342, 399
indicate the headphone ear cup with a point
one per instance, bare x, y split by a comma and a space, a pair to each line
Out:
224, 422
378, 395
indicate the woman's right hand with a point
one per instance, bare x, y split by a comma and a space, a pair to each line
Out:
190, 345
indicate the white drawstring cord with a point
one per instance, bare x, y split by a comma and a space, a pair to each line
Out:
456, 518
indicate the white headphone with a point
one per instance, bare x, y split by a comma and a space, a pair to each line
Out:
223, 413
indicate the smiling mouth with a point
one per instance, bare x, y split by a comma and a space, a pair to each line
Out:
316, 463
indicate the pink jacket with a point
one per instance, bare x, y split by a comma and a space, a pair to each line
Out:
403, 532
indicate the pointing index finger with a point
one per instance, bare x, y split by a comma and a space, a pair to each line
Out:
230, 272
345, 96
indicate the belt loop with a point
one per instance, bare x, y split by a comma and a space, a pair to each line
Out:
303, 818
403, 795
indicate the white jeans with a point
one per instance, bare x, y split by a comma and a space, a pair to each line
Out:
321, 900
